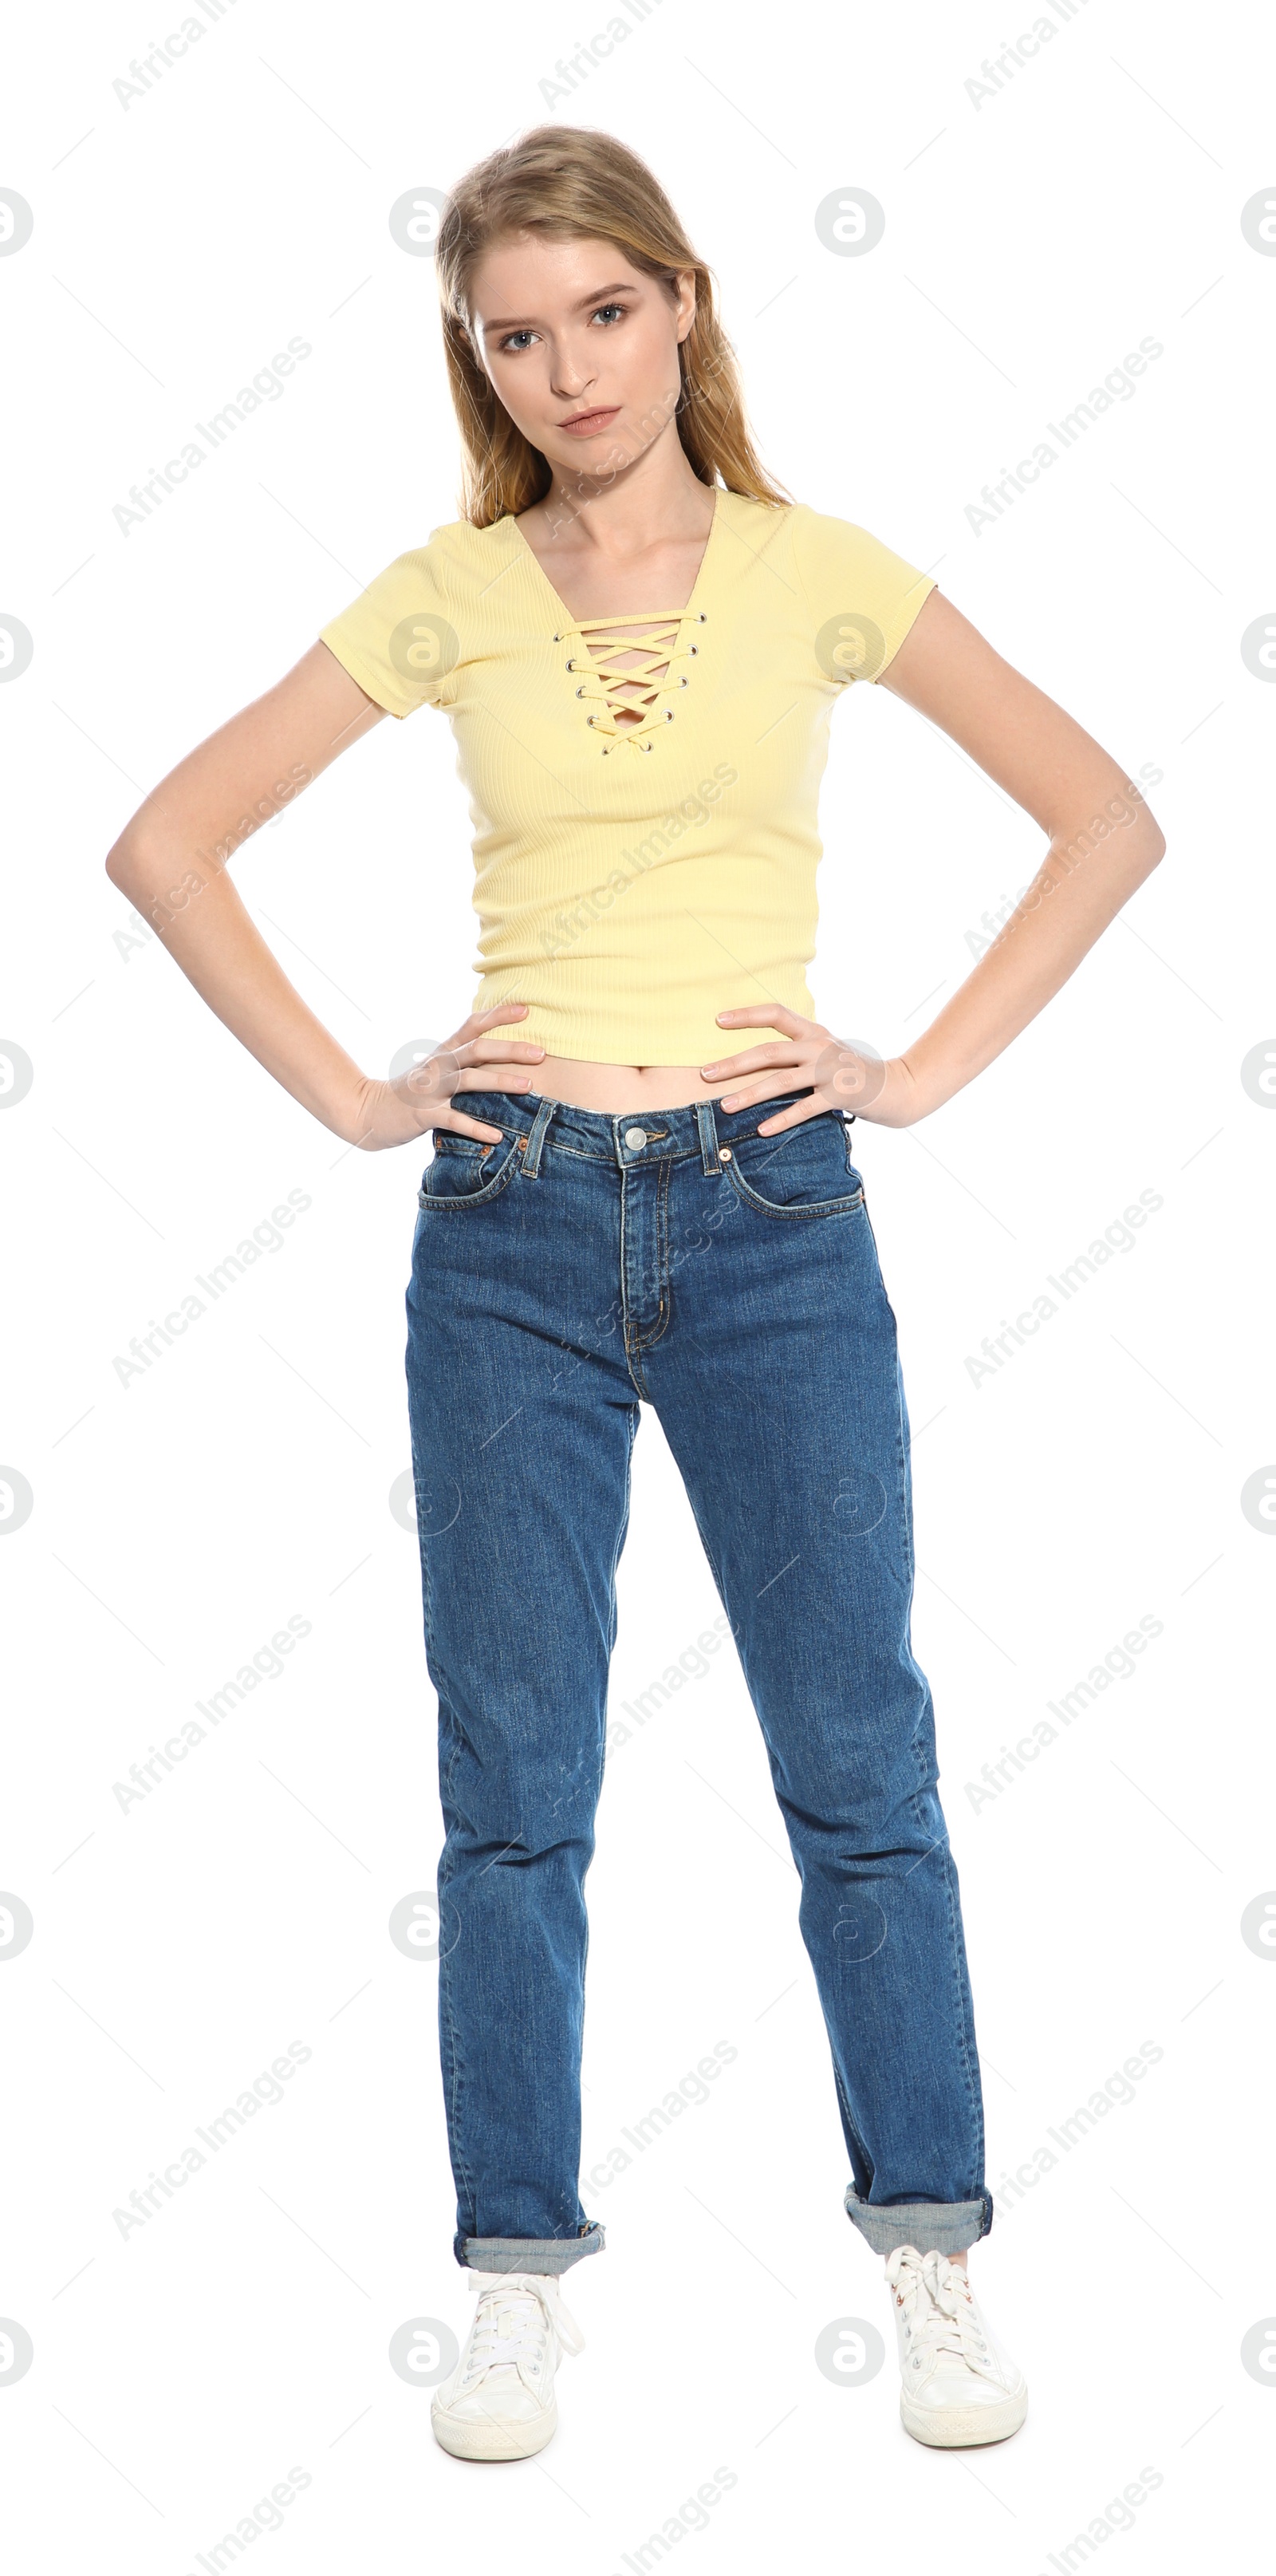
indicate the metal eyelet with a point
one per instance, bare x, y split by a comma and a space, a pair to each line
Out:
703, 617
684, 682
668, 715
581, 690
569, 666
693, 649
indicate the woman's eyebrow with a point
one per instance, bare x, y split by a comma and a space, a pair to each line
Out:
583, 304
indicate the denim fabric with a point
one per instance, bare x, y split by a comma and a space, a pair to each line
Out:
583, 1266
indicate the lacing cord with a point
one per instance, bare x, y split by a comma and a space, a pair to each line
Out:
604, 683
948, 2321
515, 2314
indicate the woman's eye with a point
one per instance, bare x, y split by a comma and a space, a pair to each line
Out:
607, 308
514, 337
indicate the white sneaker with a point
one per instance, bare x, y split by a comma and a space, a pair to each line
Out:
960, 2385
498, 2403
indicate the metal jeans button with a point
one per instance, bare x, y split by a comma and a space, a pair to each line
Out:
635, 1138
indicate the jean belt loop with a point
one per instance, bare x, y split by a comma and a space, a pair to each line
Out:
848, 1116
532, 1157
708, 1138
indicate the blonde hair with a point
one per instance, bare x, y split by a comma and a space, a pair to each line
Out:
564, 181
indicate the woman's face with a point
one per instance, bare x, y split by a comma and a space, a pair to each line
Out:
581, 347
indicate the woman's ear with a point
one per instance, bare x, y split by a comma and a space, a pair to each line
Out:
685, 284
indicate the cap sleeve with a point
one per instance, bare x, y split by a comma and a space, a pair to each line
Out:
863, 598
398, 638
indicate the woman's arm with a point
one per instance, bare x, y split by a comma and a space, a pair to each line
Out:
1103, 843
172, 861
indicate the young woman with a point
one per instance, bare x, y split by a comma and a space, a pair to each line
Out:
638, 641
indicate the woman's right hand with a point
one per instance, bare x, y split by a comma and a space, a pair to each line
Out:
393, 1113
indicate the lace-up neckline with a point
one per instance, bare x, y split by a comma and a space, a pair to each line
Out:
627, 677
649, 690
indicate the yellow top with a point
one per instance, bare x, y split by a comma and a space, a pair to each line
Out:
634, 878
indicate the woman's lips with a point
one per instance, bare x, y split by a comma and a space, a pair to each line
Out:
588, 421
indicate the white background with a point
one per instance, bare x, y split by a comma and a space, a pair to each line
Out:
179, 1520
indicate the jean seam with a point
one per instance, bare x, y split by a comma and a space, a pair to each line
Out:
846, 1206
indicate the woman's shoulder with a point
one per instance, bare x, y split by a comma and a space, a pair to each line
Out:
458, 546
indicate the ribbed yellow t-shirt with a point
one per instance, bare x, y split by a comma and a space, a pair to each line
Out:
632, 879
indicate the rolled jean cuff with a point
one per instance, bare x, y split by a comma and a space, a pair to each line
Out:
527, 2253
933, 2226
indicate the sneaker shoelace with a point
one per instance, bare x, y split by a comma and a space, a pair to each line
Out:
940, 2314
513, 2324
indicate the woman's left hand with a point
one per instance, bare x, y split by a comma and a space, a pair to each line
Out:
883, 1091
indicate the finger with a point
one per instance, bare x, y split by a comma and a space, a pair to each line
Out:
744, 1095
750, 1059
764, 1015
795, 1116
458, 1125
506, 1050
488, 1020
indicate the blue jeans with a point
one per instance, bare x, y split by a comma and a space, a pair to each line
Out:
583, 1266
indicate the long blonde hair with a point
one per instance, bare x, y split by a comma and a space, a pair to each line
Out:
569, 180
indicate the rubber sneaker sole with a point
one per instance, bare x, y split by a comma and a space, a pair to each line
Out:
492, 2439
960, 2428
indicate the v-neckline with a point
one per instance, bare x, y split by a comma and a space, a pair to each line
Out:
575, 625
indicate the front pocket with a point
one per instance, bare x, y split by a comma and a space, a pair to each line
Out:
461, 1176
802, 1172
